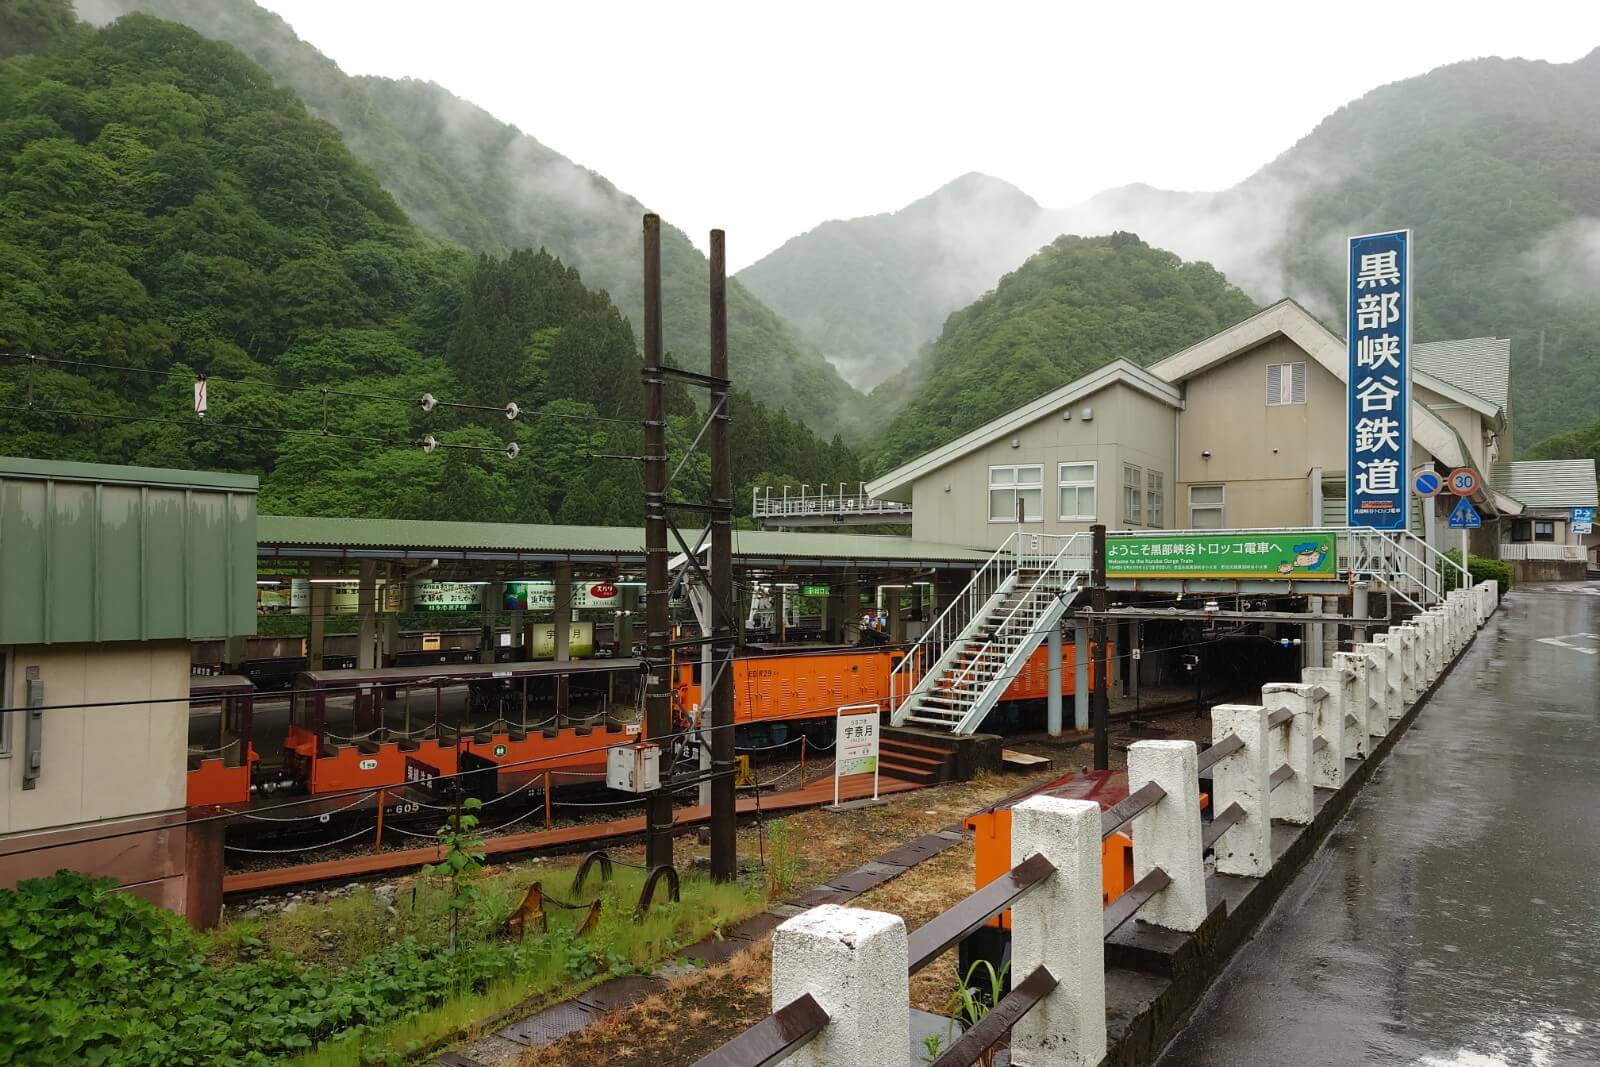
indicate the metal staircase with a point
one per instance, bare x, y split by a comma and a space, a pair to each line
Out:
957, 671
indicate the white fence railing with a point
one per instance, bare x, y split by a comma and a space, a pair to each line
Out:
1572, 553
840, 975
829, 500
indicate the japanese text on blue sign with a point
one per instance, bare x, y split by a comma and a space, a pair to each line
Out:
1379, 332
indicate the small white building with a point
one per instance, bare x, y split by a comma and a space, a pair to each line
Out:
1550, 489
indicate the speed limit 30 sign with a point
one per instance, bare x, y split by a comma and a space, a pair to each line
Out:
1463, 481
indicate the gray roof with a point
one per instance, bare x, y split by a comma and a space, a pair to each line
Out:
1480, 365
293, 536
1550, 483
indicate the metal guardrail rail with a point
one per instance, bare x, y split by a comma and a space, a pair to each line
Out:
839, 503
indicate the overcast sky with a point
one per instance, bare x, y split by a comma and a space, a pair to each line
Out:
766, 118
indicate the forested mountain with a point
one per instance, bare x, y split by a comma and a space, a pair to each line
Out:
167, 211
1494, 164
1582, 443
462, 174
1076, 305
872, 291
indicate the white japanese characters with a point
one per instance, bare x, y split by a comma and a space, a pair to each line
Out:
1379, 379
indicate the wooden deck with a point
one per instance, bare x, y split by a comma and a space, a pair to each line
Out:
813, 794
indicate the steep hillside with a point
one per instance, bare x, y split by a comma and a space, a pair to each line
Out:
872, 291
1076, 305
1494, 164
167, 211
464, 175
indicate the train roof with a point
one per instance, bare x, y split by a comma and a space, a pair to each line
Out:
219, 684
461, 672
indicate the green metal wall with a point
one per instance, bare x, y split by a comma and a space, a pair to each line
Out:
90, 552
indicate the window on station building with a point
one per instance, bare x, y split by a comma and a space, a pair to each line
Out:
1132, 494
1009, 486
1286, 384
1153, 499
1205, 507
1544, 530
1075, 488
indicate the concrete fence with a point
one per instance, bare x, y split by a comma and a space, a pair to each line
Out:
840, 986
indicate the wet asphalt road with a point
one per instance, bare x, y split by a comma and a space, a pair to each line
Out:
1453, 917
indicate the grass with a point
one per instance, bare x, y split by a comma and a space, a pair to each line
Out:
550, 966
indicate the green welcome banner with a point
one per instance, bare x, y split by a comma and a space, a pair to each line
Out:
1287, 554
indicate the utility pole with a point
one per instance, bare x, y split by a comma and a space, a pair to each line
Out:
720, 615
724, 817
657, 624
1100, 689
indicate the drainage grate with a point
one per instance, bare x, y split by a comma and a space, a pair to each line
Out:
914, 852
619, 993
550, 1025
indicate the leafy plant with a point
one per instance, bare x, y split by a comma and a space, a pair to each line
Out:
969, 1003
1479, 569
783, 860
463, 861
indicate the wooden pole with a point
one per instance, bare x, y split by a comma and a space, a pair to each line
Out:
377, 844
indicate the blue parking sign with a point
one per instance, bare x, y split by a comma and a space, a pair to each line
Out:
1582, 520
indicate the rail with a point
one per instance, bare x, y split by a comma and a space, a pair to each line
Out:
840, 503
773, 1038
1533, 551
932, 939
999, 1020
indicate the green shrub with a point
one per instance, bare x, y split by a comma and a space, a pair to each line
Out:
1482, 569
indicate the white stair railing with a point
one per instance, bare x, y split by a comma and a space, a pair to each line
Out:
994, 649
939, 643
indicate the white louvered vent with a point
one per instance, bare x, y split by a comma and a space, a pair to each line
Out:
1286, 383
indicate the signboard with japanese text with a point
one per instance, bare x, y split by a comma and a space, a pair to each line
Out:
1582, 520
1378, 333
856, 743
586, 596
1282, 554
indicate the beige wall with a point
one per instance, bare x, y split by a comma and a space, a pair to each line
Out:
951, 504
99, 762
1466, 422
1260, 454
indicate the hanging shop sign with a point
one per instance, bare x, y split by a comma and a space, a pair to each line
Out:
580, 642
1378, 444
447, 596
541, 596
1284, 554
814, 590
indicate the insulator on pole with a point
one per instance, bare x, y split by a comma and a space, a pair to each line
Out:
429, 443
513, 449
512, 411
429, 403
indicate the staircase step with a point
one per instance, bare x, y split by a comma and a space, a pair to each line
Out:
907, 773
890, 743
913, 759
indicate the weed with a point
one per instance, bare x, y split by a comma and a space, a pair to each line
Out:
783, 860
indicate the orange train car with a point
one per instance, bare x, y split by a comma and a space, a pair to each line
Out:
814, 683
401, 730
222, 753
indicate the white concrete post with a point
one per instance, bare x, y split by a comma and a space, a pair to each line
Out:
1167, 834
1458, 611
853, 961
1058, 924
1428, 624
1243, 779
1377, 655
1357, 743
1327, 723
1394, 701
1492, 586
1293, 801
1409, 689
1488, 597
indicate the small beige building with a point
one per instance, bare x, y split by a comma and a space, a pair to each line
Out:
1245, 429
1543, 534
107, 574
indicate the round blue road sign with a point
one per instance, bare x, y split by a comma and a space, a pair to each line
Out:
1426, 482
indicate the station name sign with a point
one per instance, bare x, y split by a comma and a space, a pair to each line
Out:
1299, 554
1379, 376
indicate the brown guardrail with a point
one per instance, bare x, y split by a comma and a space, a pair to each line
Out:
773, 1038
1220, 751
1281, 775
1123, 908
1278, 718
999, 1020
1128, 808
1221, 824
944, 930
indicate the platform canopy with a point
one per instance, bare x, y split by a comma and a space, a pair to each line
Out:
290, 537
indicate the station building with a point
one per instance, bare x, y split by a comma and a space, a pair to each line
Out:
1243, 430
107, 576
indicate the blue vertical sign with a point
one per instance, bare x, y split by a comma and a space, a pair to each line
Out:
1379, 409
